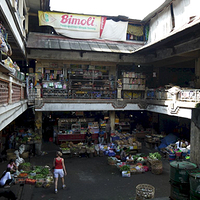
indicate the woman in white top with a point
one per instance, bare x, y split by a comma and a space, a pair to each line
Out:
6, 178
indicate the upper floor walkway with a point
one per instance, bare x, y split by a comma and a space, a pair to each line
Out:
13, 101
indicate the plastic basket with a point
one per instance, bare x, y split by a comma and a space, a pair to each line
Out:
145, 191
126, 174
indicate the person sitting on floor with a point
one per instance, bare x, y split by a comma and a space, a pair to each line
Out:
88, 136
123, 154
6, 179
129, 158
101, 136
12, 166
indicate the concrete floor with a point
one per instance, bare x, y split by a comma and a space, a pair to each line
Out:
94, 179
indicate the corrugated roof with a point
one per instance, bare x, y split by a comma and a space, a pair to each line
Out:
48, 41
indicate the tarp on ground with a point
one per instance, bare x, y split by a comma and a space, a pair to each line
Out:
169, 139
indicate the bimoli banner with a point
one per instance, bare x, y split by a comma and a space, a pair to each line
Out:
84, 26
71, 25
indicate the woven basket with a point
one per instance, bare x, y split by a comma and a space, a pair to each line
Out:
112, 162
156, 169
11, 156
144, 191
10, 150
24, 155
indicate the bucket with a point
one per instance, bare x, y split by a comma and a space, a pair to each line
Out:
179, 171
177, 192
194, 180
193, 197
178, 154
172, 157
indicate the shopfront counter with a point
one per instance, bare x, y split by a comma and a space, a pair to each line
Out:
75, 137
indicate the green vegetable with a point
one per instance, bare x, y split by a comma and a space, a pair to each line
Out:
27, 164
155, 155
125, 168
45, 171
140, 159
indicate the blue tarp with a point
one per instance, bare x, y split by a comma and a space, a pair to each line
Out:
169, 139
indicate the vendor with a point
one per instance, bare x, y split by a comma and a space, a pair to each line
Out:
12, 166
101, 136
129, 158
123, 154
6, 179
88, 136
178, 144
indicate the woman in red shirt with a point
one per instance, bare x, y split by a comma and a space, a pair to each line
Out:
59, 170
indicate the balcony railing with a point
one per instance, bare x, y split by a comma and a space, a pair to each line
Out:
150, 94
11, 92
4, 91
156, 94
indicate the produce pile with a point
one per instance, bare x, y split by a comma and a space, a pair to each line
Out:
139, 164
155, 156
70, 147
27, 137
40, 176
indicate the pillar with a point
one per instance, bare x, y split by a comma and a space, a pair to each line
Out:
195, 137
112, 120
38, 130
197, 73
38, 123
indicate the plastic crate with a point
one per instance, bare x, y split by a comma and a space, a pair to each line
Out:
19, 180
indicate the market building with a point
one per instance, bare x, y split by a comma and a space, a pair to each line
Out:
145, 74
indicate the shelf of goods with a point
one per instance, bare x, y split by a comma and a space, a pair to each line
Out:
91, 84
133, 81
125, 127
74, 137
52, 92
94, 126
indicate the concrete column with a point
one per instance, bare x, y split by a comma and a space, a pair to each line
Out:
21, 8
38, 130
197, 73
195, 137
112, 120
119, 93
38, 123
38, 89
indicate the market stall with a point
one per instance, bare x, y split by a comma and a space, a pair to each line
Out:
74, 129
40, 176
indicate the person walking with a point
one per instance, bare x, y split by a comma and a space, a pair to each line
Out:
59, 170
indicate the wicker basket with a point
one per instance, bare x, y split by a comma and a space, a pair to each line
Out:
157, 170
24, 155
156, 167
10, 150
111, 161
144, 191
11, 156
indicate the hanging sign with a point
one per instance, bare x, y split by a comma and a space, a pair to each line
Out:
73, 25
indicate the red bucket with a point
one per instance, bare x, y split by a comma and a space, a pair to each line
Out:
178, 154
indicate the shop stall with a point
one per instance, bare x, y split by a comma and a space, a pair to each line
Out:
74, 129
